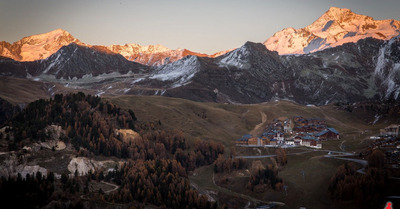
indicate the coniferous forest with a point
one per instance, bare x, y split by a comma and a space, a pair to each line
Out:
155, 168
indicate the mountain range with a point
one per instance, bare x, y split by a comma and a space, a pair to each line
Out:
341, 57
41, 46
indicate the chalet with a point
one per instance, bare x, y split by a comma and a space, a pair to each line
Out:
392, 130
306, 140
244, 140
255, 141
273, 142
329, 133
265, 140
311, 141
290, 142
241, 141
297, 140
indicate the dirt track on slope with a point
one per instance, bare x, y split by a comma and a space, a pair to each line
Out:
259, 127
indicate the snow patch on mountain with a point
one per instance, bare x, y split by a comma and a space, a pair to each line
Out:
237, 58
388, 71
179, 72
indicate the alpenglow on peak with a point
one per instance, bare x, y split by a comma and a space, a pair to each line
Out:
334, 28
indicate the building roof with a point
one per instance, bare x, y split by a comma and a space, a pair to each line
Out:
246, 136
326, 131
333, 130
321, 133
310, 138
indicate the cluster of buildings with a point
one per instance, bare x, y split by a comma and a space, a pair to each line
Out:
388, 141
392, 130
298, 131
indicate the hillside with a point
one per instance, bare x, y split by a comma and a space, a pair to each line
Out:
226, 122
220, 122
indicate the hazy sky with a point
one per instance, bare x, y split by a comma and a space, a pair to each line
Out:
204, 26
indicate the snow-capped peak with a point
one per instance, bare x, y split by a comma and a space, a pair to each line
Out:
129, 49
40, 46
153, 55
335, 27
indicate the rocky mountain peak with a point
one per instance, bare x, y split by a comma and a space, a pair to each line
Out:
337, 12
335, 27
37, 47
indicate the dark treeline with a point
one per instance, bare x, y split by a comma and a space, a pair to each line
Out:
35, 191
158, 160
348, 184
160, 182
24, 192
88, 123
203, 153
92, 124
281, 156
265, 178
227, 165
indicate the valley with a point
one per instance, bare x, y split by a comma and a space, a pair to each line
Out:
306, 119
223, 123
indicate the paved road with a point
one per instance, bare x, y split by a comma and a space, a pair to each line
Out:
254, 156
267, 156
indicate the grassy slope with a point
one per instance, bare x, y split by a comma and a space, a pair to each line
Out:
17, 90
210, 121
222, 123
226, 122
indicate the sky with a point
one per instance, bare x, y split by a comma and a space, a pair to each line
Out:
205, 26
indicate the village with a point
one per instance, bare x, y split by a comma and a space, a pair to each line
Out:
388, 141
290, 132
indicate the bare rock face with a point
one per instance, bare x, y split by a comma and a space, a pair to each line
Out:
127, 135
27, 169
83, 165
13, 165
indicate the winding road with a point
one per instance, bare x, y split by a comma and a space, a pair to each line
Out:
110, 184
